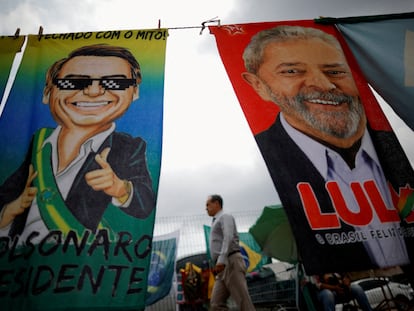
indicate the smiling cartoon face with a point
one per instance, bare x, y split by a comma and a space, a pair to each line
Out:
91, 91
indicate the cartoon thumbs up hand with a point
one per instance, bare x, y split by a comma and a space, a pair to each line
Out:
105, 179
19, 205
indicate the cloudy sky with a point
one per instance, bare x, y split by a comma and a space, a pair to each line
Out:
208, 147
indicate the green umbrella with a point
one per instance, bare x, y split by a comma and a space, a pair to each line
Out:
273, 233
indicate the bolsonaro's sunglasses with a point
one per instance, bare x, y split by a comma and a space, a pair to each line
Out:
107, 84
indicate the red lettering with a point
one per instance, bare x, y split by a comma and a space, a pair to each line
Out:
384, 214
359, 218
316, 219
367, 195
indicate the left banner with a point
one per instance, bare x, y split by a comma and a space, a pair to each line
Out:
82, 138
9, 46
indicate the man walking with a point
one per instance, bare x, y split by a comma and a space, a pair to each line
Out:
229, 267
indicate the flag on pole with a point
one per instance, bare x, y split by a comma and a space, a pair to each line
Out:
162, 266
249, 249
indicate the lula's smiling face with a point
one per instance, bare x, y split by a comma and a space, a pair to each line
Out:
312, 83
93, 105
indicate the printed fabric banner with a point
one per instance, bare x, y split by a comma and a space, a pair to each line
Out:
162, 266
9, 46
249, 248
341, 175
384, 50
82, 135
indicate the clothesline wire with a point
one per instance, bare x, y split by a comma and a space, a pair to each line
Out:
202, 27
320, 20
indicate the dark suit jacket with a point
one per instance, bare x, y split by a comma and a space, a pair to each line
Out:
127, 159
288, 166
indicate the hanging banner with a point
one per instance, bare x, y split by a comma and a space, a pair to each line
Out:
9, 46
341, 175
82, 136
384, 50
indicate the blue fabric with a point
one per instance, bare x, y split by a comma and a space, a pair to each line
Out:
161, 271
384, 51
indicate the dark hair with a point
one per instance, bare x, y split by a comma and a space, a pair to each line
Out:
217, 198
94, 50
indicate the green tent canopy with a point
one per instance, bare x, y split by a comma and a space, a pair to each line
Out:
273, 233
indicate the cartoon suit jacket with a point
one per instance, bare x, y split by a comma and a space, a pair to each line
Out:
127, 159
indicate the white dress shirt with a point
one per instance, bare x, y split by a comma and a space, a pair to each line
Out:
224, 238
384, 251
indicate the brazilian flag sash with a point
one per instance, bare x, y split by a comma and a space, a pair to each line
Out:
52, 207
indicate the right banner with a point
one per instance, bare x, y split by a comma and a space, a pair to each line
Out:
384, 49
341, 175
